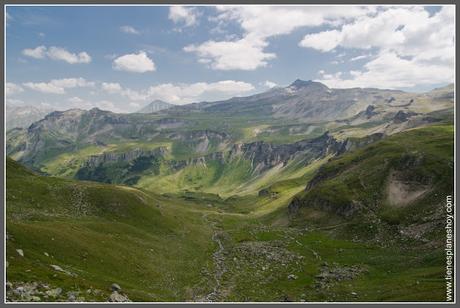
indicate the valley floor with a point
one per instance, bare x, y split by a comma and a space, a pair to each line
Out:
211, 255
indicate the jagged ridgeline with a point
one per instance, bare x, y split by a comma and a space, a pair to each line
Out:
302, 193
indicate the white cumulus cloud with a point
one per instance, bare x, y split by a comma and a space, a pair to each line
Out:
136, 63
324, 41
61, 54
413, 47
37, 52
188, 16
57, 53
181, 93
188, 93
75, 100
45, 87
111, 87
12, 89
129, 30
228, 55
388, 70
58, 86
115, 97
260, 23
270, 84
11, 101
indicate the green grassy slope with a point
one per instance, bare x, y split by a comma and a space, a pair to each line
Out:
400, 180
382, 251
155, 248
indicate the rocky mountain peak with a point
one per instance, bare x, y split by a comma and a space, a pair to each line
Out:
155, 106
98, 112
299, 84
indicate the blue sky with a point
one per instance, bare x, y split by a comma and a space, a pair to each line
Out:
121, 58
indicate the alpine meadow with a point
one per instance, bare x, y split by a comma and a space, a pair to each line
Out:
228, 153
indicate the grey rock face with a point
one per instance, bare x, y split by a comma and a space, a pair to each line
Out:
54, 292
370, 111
402, 116
96, 160
117, 297
264, 156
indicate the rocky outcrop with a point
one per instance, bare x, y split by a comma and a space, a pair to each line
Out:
370, 111
34, 291
351, 144
294, 207
332, 274
345, 209
264, 156
402, 116
118, 295
202, 160
96, 160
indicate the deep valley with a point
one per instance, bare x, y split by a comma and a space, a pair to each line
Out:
302, 193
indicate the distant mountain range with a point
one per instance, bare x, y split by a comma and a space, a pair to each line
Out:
155, 106
23, 116
301, 111
310, 101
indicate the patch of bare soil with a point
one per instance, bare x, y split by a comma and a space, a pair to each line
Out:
401, 193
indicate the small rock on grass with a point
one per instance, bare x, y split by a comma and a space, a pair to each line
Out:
57, 268
20, 252
54, 292
115, 287
60, 269
117, 297
35, 299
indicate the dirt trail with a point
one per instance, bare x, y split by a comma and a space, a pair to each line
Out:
218, 259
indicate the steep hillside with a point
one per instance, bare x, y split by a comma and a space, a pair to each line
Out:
393, 188
82, 237
224, 172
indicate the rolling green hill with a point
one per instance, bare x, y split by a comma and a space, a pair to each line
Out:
399, 183
100, 234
